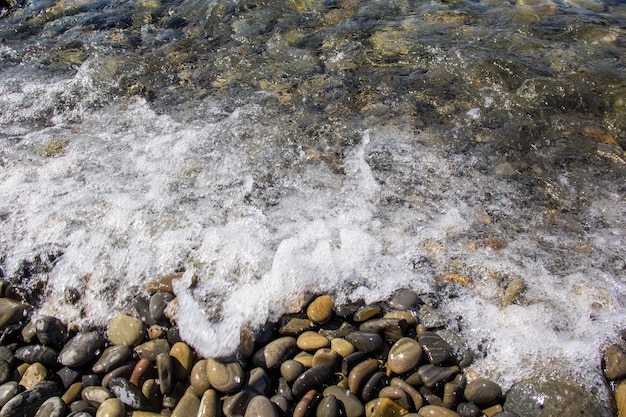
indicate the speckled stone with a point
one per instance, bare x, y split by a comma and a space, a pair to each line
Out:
482, 392
614, 361
225, 377
404, 355
81, 349
130, 395
34, 375
111, 407
165, 373
125, 330
95, 395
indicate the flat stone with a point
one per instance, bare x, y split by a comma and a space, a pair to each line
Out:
393, 329
73, 392
342, 347
404, 355
125, 330
127, 393
296, 326
614, 361
326, 356
434, 377
432, 318
361, 373
366, 312
52, 407
290, 370
111, 358
95, 395
165, 373
408, 316
111, 407
259, 381
81, 349
365, 342
225, 377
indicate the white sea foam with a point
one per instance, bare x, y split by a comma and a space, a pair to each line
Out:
133, 194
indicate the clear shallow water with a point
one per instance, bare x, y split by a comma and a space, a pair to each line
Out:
457, 148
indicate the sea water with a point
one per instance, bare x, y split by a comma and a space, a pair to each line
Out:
460, 149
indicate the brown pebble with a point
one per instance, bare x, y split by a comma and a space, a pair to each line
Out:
416, 397
342, 347
312, 341
291, 369
34, 375
261, 406
620, 399
182, 360
308, 404
209, 404
163, 283
198, 378
361, 373
482, 391
437, 411
188, 405
321, 309
614, 362
326, 356
73, 392
142, 367
397, 395
384, 407
404, 355
366, 313
305, 358
225, 377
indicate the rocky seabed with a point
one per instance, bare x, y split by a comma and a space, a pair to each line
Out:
394, 358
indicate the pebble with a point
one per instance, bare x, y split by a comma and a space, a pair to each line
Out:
182, 360
95, 395
209, 404
350, 402
315, 378
436, 411
396, 394
5, 371
393, 329
365, 313
81, 349
433, 376
198, 377
52, 407
111, 407
326, 356
404, 355
12, 312
158, 303
151, 349
291, 369
374, 385
163, 283
125, 330
365, 342
111, 358
361, 373
614, 360
260, 406
38, 353
321, 309
384, 407
296, 326
50, 331
328, 407
35, 374
188, 405
165, 373
27, 402
620, 399
414, 394
225, 377
127, 393
275, 352
436, 349
342, 347
409, 317
468, 410
482, 392
312, 341
404, 300
8, 390
72, 392
235, 404
307, 404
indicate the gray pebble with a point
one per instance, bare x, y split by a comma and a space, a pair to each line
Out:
112, 357
404, 300
81, 349
127, 393
37, 353
27, 402
52, 407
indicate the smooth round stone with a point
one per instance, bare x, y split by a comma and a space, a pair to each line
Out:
150, 350
8, 390
408, 316
111, 358
342, 347
352, 360
312, 379
365, 342
260, 406
29, 333
321, 309
361, 373
326, 356
366, 313
52, 407
37, 353
482, 391
34, 375
404, 355
328, 407
158, 303
130, 395
124, 371
305, 358
209, 404
453, 390
165, 373
235, 404
296, 326
79, 406
374, 385
89, 380
393, 329
5, 371
259, 381
95, 395
81, 349
436, 349
384, 407
290, 370
12, 312
468, 410
188, 405
275, 352
73, 392
50, 331
307, 404
312, 341
462, 355
351, 403
182, 360
397, 395
198, 378
111, 407
26, 403
614, 363
156, 331
281, 404
436, 411
404, 300
554, 397
125, 330
163, 283
620, 399
225, 377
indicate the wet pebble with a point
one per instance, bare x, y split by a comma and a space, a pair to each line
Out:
436, 349
290, 370
614, 361
12, 311
95, 395
275, 352
127, 393
125, 330
5, 371
35, 374
436, 411
260, 406
50, 331
182, 360
365, 313
198, 378
27, 402
365, 342
404, 355
111, 357
351, 404
384, 407
312, 341
158, 303
295, 326
52, 407
482, 391
313, 379
361, 373
404, 300
225, 377
433, 376
328, 407
342, 347
151, 349
81, 349
37, 353
8, 390
209, 404
321, 309
111, 407
188, 405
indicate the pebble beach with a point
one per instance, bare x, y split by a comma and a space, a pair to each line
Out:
398, 357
